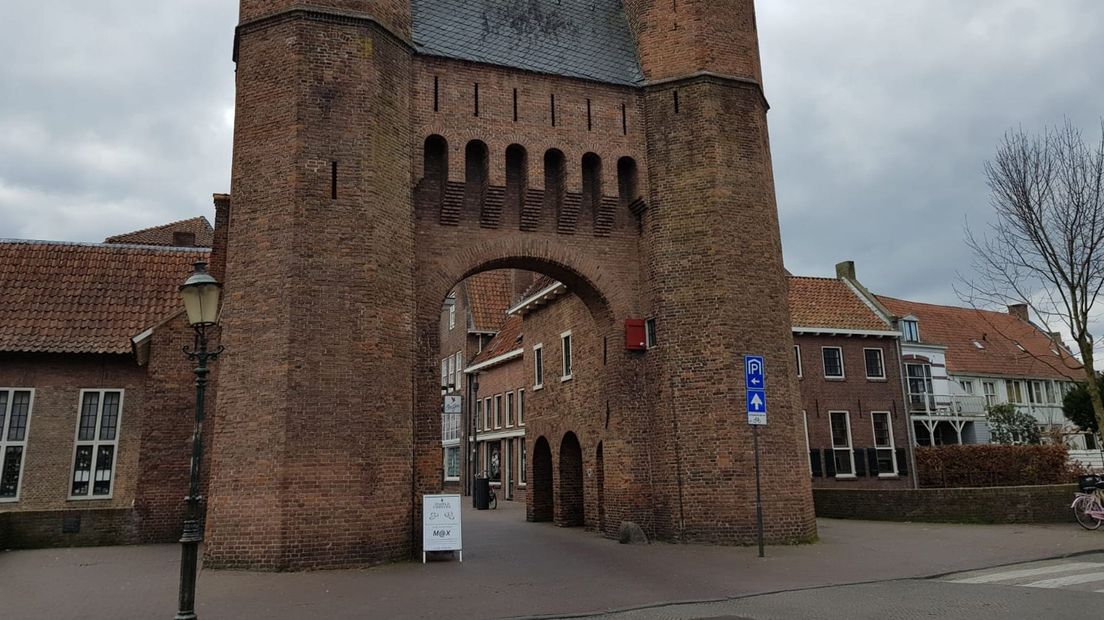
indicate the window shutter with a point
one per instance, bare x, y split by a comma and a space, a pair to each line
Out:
860, 462
814, 461
829, 464
902, 462
872, 461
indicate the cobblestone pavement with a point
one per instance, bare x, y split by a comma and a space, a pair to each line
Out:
517, 569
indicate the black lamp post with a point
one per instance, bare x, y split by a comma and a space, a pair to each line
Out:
201, 293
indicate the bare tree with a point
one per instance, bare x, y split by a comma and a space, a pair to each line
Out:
1046, 246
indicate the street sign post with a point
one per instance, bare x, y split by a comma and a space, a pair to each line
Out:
755, 384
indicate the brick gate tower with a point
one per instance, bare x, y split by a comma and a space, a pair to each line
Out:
381, 153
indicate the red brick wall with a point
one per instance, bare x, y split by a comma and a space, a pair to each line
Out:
312, 449
1031, 504
500, 380
855, 394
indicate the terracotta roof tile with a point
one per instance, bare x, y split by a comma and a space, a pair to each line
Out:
830, 303
506, 340
86, 297
164, 234
488, 298
998, 332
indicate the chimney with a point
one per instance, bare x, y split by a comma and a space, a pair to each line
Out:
846, 270
222, 235
1020, 312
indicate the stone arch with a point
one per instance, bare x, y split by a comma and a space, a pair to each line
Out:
571, 511
542, 502
628, 183
592, 186
435, 167
476, 178
517, 181
555, 185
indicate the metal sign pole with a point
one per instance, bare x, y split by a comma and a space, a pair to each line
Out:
758, 494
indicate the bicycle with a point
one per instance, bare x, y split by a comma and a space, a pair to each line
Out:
1087, 507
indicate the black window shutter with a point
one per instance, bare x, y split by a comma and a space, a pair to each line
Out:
902, 462
814, 460
829, 464
860, 463
872, 461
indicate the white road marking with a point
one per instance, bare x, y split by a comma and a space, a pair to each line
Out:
1029, 572
1068, 580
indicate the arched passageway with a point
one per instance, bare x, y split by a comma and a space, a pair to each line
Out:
543, 497
571, 508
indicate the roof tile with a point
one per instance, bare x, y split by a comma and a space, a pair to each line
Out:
86, 297
998, 334
164, 234
829, 303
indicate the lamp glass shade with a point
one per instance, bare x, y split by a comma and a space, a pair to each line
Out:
201, 293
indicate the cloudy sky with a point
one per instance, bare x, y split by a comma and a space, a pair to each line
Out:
117, 114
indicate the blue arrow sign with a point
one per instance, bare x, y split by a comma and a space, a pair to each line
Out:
754, 377
756, 401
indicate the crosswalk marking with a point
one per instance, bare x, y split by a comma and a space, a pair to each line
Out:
1029, 572
1068, 580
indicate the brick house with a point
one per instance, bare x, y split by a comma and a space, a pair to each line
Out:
847, 359
96, 400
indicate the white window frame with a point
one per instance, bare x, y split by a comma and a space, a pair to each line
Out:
509, 409
866, 366
967, 386
650, 335
96, 443
892, 442
5, 443
990, 396
487, 413
850, 443
498, 416
450, 376
797, 358
538, 366
452, 315
910, 330
808, 450
458, 373
444, 464
521, 407
444, 374
522, 464
567, 353
824, 365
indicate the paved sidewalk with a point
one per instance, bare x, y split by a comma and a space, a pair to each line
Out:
513, 568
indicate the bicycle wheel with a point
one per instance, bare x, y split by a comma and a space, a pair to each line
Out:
1081, 507
493, 501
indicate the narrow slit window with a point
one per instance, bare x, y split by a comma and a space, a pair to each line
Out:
590, 122
333, 180
624, 120
436, 94
515, 105
676, 102
553, 102
476, 95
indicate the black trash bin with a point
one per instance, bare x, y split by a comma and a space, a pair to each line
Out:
481, 495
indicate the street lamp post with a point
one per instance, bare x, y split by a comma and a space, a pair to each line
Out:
201, 293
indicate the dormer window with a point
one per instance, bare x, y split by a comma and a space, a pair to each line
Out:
910, 329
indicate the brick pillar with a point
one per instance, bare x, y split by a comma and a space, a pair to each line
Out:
715, 277
311, 462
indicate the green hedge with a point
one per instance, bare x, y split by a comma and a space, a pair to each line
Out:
992, 466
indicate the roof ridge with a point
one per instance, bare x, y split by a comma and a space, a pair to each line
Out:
947, 306
166, 225
96, 244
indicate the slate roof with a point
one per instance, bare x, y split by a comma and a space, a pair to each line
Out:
829, 303
163, 235
488, 298
998, 332
506, 340
587, 39
86, 297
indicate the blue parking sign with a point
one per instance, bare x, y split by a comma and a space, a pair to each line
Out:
754, 377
